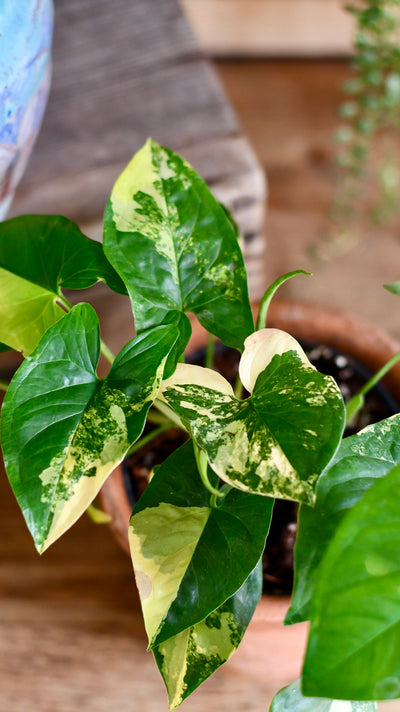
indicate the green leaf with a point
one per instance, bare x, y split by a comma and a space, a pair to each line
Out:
360, 460
189, 658
175, 247
354, 645
274, 443
63, 429
290, 699
188, 556
40, 255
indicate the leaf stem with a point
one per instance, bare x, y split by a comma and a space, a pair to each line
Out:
107, 353
202, 465
148, 438
210, 352
266, 300
357, 401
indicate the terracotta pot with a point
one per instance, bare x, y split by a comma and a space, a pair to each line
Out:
270, 655
353, 336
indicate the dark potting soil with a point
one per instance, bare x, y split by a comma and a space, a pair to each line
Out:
278, 554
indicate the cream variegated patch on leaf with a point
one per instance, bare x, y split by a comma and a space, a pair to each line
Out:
189, 658
277, 441
176, 249
63, 429
291, 699
189, 557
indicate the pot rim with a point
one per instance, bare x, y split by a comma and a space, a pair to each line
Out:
353, 335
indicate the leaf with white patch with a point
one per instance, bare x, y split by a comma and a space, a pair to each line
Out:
354, 643
40, 255
291, 699
190, 557
360, 460
189, 658
63, 429
274, 443
175, 248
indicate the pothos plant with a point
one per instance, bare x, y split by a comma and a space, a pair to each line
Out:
198, 532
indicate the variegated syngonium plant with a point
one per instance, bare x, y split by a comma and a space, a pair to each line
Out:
198, 532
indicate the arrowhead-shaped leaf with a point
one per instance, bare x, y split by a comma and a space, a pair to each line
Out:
189, 658
188, 556
63, 429
274, 443
354, 645
290, 699
40, 255
360, 460
175, 248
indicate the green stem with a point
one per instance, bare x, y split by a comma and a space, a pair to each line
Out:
266, 300
157, 418
357, 401
210, 352
4, 386
107, 353
202, 465
148, 438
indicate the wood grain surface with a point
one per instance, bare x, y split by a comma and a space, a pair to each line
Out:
72, 638
123, 71
271, 28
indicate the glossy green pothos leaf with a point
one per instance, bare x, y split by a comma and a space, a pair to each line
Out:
189, 658
354, 644
291, 699
63, 429
40, 255
359, 462
176, 249
189, 557
274, 443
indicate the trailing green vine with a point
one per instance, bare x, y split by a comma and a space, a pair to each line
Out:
368, 186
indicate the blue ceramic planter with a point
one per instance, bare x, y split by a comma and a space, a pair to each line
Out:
25, 43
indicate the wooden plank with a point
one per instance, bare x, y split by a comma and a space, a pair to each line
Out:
124, 71
271, 27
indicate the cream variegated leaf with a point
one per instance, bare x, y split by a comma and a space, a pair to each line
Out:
291, 699
189, 557
274, 443
189, 658
176, 249
63, 429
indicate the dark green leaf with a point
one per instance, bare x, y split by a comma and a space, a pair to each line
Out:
360, 460
290, 699
189, 658
63, 429
190, 557
354, 645
175, 247
40, 255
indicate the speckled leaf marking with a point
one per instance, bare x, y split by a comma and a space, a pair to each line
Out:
175, 247
276, 442
216, 547
64, 430
189, 658
290, 699
360, 460
162, 542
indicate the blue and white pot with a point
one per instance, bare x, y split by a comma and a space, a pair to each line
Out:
25, 44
